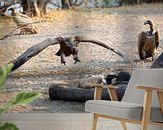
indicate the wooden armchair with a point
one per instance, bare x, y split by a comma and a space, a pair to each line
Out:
138, 107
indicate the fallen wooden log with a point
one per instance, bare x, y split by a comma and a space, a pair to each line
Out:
69, 93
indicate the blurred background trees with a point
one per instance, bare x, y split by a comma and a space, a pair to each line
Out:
39, 7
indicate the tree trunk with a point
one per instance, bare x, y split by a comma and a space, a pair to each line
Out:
64, 4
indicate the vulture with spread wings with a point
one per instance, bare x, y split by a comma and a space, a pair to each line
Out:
148, 42
69, 46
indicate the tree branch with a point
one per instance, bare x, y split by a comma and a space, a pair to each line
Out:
32, 51
8, 35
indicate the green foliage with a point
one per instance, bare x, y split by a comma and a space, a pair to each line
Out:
4, 72
19, 99
8, 126
23, 98
4, 108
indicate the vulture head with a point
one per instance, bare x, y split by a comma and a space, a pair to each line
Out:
148, 42
150, 23
12, 9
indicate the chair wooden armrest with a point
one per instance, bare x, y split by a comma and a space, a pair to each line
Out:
102, 85
98, 90
148, 99
147, 88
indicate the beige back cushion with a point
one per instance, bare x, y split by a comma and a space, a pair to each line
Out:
143, 77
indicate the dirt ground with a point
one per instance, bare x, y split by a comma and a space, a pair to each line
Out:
116, 27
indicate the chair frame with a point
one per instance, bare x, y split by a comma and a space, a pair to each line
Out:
146, 106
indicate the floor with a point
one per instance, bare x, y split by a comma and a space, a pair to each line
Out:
57, 121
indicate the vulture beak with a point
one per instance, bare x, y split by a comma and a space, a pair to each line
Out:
12, 9
148, 22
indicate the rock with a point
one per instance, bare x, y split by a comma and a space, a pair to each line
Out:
120, 80
158, 63
109, 78
120, 91
121, 77
83, 83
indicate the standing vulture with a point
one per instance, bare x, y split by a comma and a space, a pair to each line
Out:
24, 22
148, 42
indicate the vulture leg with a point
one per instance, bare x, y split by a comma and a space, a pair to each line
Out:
63, 61
144, 55
22, 31
75, 57
153, 58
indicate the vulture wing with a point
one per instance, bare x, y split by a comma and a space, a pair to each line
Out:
118, 52
141, 42
157, 39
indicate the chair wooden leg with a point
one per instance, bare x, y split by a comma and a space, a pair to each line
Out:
160, 98
97, 93
146, 110
124, 125
94, 122
112, 94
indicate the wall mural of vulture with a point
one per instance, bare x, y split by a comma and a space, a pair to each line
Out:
148, 42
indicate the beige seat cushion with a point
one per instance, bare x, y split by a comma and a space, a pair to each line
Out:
125, 110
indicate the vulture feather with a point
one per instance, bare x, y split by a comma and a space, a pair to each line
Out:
148, 42
69, 45
25, 21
